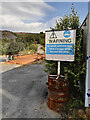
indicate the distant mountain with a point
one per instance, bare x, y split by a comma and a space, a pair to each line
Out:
24, 33
21, 33
8, 35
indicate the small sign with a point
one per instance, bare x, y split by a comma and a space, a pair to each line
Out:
60, 45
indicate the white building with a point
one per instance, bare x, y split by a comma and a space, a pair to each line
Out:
86, 43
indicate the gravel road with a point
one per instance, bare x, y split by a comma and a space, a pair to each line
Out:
24, 93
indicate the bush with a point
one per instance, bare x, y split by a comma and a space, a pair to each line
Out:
11, 47
33, 47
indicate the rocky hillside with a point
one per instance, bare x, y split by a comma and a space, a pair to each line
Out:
8, 35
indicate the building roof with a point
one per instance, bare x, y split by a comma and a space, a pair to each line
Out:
84, 22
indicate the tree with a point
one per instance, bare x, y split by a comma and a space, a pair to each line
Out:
75, 71
11, 47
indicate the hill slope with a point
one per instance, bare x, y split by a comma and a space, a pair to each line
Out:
8, 35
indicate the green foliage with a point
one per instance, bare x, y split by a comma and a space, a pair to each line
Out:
75, 71
11, 47
32, 38
51, 67
33, 47
0, 47
24, 42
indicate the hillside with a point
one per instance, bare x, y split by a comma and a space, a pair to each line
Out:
21, 36
36, 38
8, 35
13, 43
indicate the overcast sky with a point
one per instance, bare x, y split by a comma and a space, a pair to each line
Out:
37, 16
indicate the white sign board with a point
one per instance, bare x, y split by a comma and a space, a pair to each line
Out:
60, 45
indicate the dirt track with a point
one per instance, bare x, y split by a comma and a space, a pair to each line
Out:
25, 59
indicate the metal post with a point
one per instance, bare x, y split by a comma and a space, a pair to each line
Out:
58, 67
58, 70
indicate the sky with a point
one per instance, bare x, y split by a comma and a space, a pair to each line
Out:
35, 17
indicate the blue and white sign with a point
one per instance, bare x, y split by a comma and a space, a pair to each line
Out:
60, 45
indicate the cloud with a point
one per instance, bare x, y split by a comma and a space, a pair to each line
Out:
52, 22
66, 0
25, 17
25, 9
23, 1
17, 25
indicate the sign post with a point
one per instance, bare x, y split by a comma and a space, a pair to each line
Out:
58, 67
60, 46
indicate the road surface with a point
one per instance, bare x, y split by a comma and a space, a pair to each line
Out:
24, 93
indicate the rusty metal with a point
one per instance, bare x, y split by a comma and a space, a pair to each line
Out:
58, 92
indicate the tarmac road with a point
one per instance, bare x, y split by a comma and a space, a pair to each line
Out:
24, 93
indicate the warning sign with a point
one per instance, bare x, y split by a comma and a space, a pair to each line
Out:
60, 45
